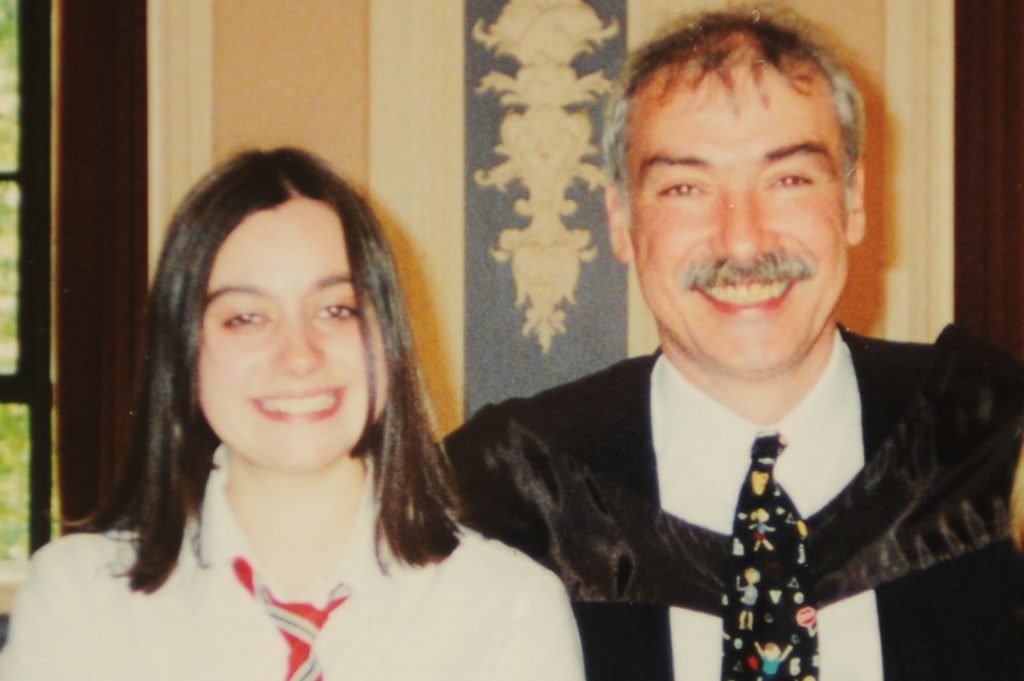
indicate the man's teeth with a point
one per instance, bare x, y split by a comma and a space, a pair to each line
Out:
301, 405
747, 294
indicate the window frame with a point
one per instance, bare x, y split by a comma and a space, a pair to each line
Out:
31, 384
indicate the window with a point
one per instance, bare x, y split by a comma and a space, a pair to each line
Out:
25, 350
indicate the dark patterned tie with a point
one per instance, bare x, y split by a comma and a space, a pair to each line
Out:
769, 614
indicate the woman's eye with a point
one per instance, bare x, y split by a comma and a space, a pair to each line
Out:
246, 320
337, 312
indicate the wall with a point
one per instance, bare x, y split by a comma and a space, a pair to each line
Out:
230, 74
293, 73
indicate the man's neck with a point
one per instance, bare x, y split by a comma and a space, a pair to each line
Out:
762, 399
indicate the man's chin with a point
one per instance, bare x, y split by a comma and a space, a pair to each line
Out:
754, 353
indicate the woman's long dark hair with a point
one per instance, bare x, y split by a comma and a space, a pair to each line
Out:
171, 454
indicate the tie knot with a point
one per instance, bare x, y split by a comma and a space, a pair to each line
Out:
766, 449
299, 623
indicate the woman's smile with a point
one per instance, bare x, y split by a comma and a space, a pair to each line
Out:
315, 406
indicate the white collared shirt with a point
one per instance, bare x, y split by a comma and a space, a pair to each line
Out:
703, 453
483, 613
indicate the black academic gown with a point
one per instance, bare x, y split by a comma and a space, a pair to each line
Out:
569, 477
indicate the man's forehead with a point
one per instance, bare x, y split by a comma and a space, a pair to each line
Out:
753, 111
751, 79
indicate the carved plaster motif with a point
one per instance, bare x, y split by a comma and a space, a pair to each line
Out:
545, 139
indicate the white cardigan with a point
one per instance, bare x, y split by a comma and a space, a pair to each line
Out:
484, 613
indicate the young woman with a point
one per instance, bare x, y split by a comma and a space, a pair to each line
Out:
284, 510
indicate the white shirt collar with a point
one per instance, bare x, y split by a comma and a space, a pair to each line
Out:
222, 540
703, 448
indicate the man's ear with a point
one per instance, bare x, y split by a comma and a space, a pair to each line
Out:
856, 218
617, 207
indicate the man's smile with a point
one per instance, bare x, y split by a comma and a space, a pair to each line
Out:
746, 294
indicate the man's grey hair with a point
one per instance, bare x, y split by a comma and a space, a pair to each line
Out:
711, 44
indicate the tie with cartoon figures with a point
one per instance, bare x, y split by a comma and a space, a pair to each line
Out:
769, 613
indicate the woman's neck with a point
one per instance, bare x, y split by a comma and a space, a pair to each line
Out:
298, 524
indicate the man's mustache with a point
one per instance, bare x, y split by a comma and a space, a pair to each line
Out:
766, 268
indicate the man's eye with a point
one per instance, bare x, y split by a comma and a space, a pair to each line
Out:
683, 189
794, 181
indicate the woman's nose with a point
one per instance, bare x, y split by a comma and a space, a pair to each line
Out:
300, 351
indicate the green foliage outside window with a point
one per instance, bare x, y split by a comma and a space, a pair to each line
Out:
9, 202
14, 418
9, 194
14, 461
10, 101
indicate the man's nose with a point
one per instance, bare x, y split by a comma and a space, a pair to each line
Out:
742, 234
300, 351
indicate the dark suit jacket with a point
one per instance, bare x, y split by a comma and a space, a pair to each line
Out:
569, 477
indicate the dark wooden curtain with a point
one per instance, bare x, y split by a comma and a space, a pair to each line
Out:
990, 170
101, 199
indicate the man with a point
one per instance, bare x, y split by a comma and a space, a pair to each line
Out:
737, 189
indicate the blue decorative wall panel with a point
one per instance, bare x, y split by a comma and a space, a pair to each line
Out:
545, 299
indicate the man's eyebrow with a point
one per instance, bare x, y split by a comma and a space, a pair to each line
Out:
812, 148
321, 284
665, 160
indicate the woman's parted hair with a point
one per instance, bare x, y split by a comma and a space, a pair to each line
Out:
171, 453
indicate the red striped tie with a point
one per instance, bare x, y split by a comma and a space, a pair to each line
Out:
299, 623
